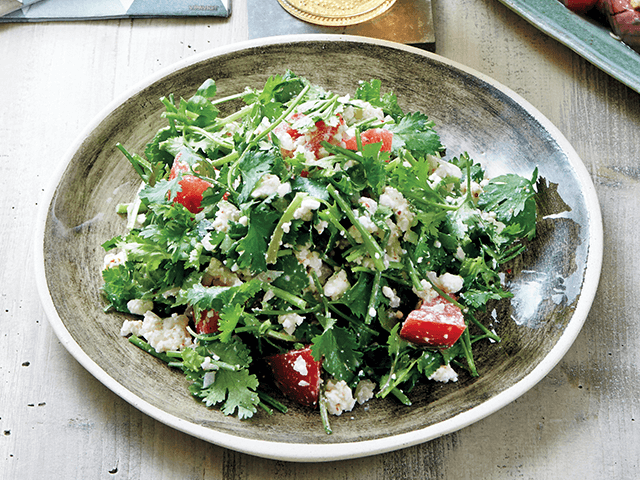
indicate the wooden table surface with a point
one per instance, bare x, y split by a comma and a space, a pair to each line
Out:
58, 422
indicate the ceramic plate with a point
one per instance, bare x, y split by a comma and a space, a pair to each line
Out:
588, 38
554, 284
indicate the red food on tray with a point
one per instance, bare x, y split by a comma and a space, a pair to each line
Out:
623, 16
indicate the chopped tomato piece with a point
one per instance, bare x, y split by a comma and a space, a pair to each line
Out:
208, 322
373, 135
297, 375
579, 6
312, 139
192, 187
438, 323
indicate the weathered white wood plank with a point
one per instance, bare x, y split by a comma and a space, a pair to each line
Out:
56, 421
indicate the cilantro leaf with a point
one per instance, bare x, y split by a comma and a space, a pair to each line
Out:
511, 197
357, 297
253, 247
371, 92
338, 347
415, 133
253, 165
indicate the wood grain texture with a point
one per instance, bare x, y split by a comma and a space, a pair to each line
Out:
56, 421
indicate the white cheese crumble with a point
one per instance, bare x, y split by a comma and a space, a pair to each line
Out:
427, 293
447, 282
339, 397
305, 210
266, 186
336, 285
444, 170
139, 307
444, 374
310, 259
394, 300
290, 321
300, 366
169, 334
220, 276
364, 391
114, 259
393, 199
226, 213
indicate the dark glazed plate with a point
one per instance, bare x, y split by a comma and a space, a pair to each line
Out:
554, 284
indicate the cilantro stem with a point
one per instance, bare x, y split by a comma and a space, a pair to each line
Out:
487, 333
276, 238
284, 312
468, 353
318, 285
373, 300
144, 346
399, 394
208, 136
226, 159
228, 98
324, 413
391, 385
284, 115
336, 223
375, 251
273, 402
360, 326
284, 295
139, 164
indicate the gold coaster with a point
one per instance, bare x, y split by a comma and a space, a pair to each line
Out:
336, 13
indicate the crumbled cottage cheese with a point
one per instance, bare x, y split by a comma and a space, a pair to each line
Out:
290, 321
364, 391
267, 186
219, 275
359, 110
306, 208
444, 374
339, 397
139, 307
447, 282
394, 300
227, 212
337, 285
393, 199
310, 259
169, 334
114, 259
444, 170
427, 293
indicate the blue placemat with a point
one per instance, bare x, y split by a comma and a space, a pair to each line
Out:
52, 10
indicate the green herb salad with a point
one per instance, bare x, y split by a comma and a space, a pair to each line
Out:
315, 241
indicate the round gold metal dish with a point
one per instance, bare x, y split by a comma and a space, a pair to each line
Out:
336, 13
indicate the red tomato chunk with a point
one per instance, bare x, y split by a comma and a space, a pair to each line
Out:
297, 375
208, 322
374, 135
192, 187
437, 323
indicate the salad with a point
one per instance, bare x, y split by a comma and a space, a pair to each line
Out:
312, 241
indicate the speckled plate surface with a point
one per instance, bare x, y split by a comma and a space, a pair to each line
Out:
554, 284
